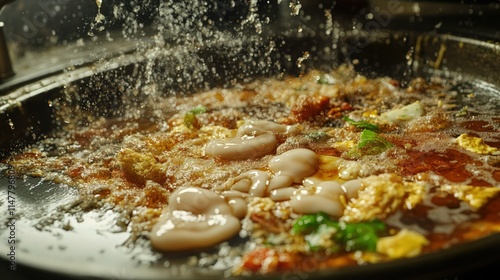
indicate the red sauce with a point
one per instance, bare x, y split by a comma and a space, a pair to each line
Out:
496, 175
437, 241
446, 199
491, 210
479, 126
418, 215
449, 164
493, 144
479, 183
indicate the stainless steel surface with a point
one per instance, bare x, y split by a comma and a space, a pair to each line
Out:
51, 253
4, 2
6, 70
480, 63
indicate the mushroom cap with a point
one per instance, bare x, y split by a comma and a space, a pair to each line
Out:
196, 218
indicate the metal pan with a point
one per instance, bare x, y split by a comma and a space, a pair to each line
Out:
59, 237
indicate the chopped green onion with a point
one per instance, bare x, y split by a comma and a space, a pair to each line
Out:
198, 110
190, 117
310, 223
322, 232
370, 143
360, 236
361, 124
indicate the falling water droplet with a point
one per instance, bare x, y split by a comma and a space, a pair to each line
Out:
295, 8
98, 22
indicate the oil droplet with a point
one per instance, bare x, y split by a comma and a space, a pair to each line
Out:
295, 8
99, 18
11, 124
98, 3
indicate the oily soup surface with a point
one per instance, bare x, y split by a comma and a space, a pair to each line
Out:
337, 166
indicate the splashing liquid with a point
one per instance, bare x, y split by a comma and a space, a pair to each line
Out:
98, 23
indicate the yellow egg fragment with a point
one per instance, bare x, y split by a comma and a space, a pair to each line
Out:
404, 244
216, 132
344, 145
476, 145
476, 196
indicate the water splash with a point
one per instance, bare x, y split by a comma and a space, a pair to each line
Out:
98, 23
200, 44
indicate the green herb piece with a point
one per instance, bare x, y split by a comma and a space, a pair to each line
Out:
190, 119
322, 232
322, 238
361, 124
200, 109
310, 223
360, 236
370, 143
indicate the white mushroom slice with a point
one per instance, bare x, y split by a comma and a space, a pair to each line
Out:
242, 148
323, 196
288, 168
260, 180
238, 206
242, 184
253, 182
254, 139
305, 203
279, 182
297, 164
351, 188
237, 201
311, 182
253, 128
330, 189
282, 194
403, 114
196, 218
234, 194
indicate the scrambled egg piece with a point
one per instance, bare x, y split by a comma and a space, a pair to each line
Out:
380, 196
141, 167
404, 244
476, 145
344, 145
475, 196
339, 169
415, 193
216, 132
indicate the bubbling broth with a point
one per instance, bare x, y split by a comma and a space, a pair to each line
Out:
330, 165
